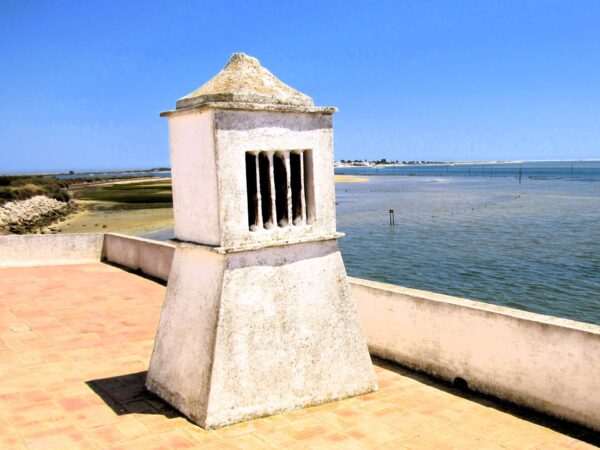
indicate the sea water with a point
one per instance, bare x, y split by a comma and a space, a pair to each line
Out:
526, 237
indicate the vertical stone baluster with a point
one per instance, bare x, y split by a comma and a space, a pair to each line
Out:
273, 193
288, 176
302, 193
258, 194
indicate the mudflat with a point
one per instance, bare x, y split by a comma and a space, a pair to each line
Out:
129, 207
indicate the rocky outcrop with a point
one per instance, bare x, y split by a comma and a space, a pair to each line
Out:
36, 212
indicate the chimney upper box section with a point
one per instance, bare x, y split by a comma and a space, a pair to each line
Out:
252, 162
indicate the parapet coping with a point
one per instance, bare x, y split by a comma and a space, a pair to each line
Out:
482, 307
239, 106
258, 245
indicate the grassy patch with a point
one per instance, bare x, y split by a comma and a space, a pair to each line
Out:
136, 195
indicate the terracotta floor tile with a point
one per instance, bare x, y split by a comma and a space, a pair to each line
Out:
75, 342
179, 439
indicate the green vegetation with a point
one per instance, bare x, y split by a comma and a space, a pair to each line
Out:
103, 179
116, 195
134, 195
22, 187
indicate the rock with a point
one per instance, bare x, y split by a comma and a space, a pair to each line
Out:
25, 216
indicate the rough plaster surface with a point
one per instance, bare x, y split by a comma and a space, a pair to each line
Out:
181, 363
193, 167
208, 150
268, 331
244, 80
246, 333
546, 363
237, 132
49, 249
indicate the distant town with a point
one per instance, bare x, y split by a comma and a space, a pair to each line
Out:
382, 162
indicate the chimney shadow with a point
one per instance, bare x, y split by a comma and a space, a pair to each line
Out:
127, 394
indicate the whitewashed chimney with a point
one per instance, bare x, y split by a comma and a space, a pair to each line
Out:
258, 317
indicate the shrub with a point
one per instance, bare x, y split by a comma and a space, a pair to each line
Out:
22, 187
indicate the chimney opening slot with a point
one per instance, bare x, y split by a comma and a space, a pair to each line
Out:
281, 188
264, 169
298, 207
252, 186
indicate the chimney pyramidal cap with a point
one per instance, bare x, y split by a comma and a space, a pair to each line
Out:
244, 81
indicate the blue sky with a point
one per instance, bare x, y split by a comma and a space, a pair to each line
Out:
82, 82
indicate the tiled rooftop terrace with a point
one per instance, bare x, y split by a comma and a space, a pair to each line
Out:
74, 347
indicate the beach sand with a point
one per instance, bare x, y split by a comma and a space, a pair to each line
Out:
132, 221
350, 179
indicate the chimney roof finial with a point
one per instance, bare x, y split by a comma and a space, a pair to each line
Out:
244, 80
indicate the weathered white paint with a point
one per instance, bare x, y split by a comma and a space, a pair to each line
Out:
244, 80
48, 249
208, 148
247, 334
181, 363
545, 363
237, 132
194, 178
149, 257
256, 321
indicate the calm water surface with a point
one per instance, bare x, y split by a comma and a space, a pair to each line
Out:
141, 173
533, 245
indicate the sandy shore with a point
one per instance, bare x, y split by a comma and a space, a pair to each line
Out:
349, 179
133, 221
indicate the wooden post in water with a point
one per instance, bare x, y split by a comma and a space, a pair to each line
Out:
392, 221
520, 173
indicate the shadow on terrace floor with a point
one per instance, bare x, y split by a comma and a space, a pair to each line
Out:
126, 394
560, 426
